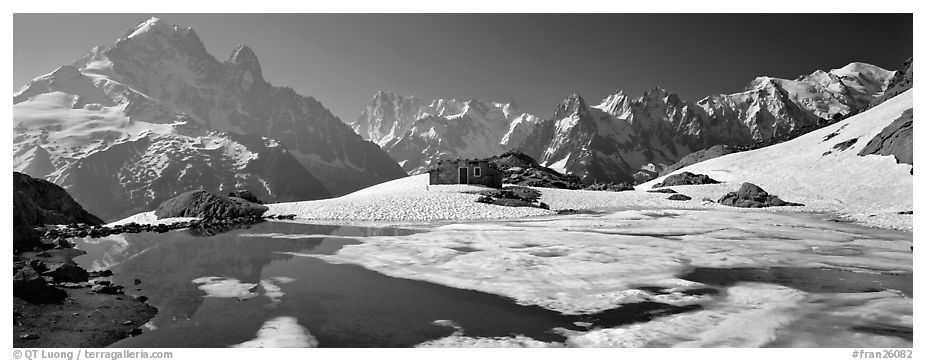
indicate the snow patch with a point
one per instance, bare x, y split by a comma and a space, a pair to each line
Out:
221, 287
283, 331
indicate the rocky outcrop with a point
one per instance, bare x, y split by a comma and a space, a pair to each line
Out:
752, 196
513, 197
53, 204
38, 202
203, 204
663, 190
519, 168
699, 156
66, 272
685, 178
32, 287
24, 213
246, 195
896, 139
679, 197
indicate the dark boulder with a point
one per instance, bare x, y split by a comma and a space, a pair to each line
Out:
246, 195
685, 178
679, 197
752, 196
515, 196
66, 272
32, 287
207, 205
108, 289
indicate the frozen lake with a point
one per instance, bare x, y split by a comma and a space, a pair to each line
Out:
631, 278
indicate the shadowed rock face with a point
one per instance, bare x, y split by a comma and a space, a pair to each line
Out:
37, 202
207, 205
246, 195
752, 196
896, 139
53, 204
901, 82
685, 178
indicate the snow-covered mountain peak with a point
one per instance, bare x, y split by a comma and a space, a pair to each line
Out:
860, 68
615, 104
573, 105
139, 89
244, 58
416, 132
762, 82
152, 25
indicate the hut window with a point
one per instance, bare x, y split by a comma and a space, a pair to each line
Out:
477, 172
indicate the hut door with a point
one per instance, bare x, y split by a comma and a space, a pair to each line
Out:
464, 176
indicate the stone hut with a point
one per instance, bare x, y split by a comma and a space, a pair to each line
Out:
466, 171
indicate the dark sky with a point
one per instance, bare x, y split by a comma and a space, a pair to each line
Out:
535, 59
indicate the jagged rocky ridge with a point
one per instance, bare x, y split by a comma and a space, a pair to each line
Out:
417, 133
622, 139
628, 139
152, 115
899, 83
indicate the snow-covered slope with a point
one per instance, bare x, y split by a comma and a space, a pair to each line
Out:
156, 89
632, 139
823, 170
416, 133
771, 107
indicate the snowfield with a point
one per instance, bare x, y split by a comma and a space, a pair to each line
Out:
868, 189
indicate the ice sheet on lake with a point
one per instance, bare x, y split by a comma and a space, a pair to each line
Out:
587, 264
590, 264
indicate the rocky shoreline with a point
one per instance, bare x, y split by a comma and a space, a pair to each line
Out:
57, 303
61, 234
